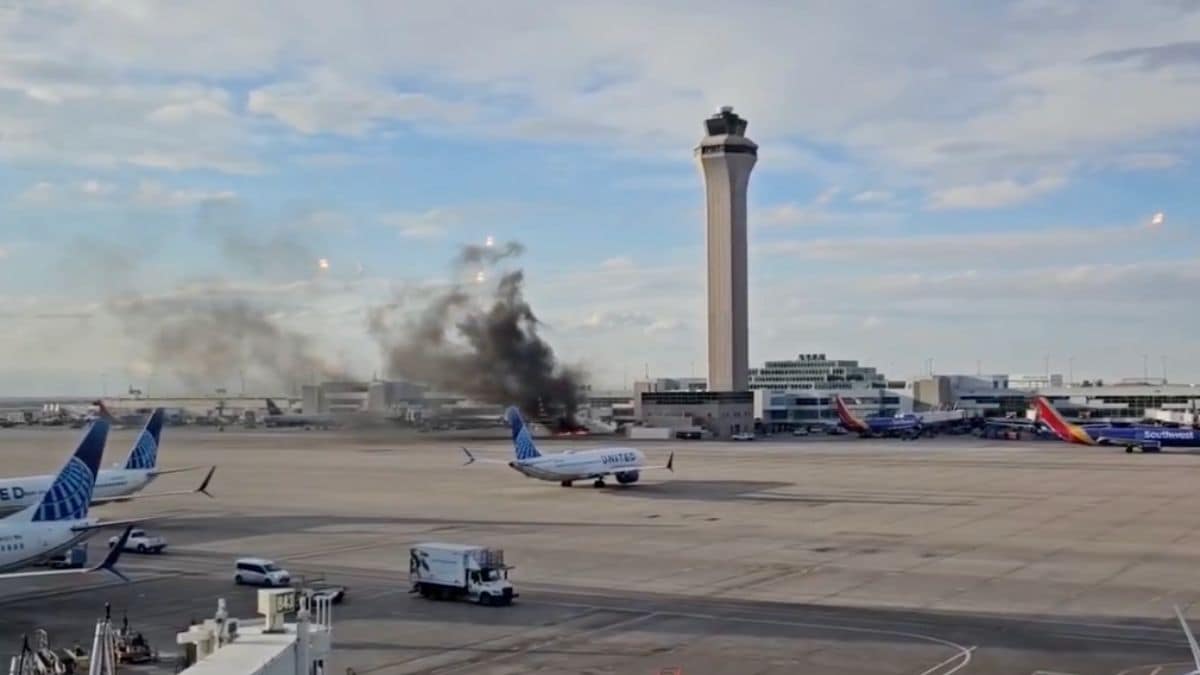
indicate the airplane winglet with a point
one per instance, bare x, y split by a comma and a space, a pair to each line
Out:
1190, 637
109, 564
203, 489
470, 457
671, 463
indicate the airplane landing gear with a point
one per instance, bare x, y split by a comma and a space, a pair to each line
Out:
566, 483
599, 483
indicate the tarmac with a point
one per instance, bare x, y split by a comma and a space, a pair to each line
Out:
823, 554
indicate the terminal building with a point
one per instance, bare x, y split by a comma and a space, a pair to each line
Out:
815, 371
799, 393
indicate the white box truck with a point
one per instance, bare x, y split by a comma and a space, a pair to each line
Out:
450, 571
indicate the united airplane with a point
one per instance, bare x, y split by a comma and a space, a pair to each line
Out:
59, 517
623, 464
1144, 437
117, 484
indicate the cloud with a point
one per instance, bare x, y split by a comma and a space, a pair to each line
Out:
45, 193
915, 250
1146, 161
42, 192
1153, 58
325, 220
872, 197
429, 224
328, 102
190, 105
993, 194
157, 195
96, 188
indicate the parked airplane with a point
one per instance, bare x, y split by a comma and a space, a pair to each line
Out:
277, 418
904, 426
1146, 438
117, 484
624, 464
59, 518
907, 426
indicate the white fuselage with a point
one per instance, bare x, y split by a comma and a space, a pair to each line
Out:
581, 464
23, 543
19, 493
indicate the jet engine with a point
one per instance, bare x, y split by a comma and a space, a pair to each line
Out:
627, 477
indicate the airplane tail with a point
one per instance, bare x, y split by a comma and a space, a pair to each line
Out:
522, 439
273, 409
1068, 432
846, 417
70, 494
103, 413
144, 454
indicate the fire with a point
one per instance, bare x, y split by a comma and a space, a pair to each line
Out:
490, 241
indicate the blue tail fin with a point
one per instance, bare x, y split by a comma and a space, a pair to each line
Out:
71, 492
522, 439
144, 454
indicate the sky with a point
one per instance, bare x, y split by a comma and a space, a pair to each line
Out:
973, 183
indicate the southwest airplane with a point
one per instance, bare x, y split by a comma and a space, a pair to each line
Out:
905, 426
59, 518
1144, 437
624, 464
112, 485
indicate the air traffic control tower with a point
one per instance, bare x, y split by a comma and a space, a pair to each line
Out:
726, 159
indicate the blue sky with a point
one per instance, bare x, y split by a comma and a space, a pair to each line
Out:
972, 184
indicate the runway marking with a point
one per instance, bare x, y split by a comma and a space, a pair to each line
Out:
1158, 667
963, 652
965, 656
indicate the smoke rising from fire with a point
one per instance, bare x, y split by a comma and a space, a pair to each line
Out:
484, 345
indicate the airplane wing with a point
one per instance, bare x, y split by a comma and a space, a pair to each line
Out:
163, 472
669, 466
471, 459
108, 564
203, 489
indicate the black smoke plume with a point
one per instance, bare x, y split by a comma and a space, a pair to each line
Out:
206, 334
210, 342
488, 348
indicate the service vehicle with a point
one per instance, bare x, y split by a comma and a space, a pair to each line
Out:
74, 557
453, 571
744, 436
335, 593
141, 541
260, 572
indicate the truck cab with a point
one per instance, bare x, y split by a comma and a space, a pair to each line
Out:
489, 586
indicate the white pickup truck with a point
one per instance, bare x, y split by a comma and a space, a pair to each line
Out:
449, 571
141, 542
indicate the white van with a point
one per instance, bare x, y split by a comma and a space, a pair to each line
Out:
260, 572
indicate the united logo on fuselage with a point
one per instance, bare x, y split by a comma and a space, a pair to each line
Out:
15, 492
619, 458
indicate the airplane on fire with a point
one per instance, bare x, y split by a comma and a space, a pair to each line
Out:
623, 464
